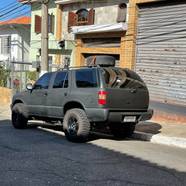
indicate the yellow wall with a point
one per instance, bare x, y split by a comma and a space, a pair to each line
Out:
5, 95
80, 49
58, 31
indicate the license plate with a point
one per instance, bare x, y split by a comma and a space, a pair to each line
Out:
129, 119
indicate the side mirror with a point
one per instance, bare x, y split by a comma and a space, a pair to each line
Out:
29, 86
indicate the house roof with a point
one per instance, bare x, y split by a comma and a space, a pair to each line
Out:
56, 1
68, 1
19, 20
27, 1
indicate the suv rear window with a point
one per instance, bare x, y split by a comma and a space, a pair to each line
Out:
86, 78
122, 78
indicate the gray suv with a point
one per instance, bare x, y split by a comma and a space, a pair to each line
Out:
83, 99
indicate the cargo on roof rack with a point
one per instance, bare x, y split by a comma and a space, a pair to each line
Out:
101, 60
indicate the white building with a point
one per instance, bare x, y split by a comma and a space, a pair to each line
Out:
14, 40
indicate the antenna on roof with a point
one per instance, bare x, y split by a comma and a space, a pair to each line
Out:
66, 62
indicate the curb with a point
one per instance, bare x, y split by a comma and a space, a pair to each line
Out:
161, 139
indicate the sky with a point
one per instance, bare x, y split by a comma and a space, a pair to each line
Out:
10, 9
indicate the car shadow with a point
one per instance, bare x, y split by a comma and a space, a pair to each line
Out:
94, 135
145, 127
151, 128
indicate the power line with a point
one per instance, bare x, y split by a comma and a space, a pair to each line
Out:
10, 7
10, 16
19, 11
5, 7
10, 11
36, 7
16, 12
24, 13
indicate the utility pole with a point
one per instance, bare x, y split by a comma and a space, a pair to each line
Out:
44, 37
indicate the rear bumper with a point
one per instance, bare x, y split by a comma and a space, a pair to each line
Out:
146, 116
103, 115
97, 114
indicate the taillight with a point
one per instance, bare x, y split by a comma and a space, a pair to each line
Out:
102, 97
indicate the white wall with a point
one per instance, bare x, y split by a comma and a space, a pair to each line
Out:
4, 31
20, 42
23, 46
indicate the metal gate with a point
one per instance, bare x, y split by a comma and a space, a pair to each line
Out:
161, 50
20, 75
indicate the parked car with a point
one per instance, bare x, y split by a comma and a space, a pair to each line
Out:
84, 98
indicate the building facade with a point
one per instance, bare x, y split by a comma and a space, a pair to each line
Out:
97, 27
14, 50
55, 52
14, 40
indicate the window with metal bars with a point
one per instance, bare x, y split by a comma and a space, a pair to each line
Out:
5, 44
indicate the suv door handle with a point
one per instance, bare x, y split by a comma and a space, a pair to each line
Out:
65, 94
45, 94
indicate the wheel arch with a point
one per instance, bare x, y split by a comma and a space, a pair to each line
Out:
71, 105
17, 101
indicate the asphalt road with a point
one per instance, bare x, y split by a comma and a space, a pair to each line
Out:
36, 157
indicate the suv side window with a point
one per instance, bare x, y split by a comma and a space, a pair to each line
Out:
86, 78
61, 80
43, 81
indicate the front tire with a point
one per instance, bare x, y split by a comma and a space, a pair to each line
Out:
19, 116
76, 125
122, 130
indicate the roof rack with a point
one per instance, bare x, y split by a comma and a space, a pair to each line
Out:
92, 61
76, 67
67, 65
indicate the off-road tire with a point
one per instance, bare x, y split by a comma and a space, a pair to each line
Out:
80, 132
19, 116
122, 130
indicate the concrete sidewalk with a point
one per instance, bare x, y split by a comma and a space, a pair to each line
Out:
5, 112
167, 134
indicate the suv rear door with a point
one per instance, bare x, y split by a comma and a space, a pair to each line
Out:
85, 87
125, 90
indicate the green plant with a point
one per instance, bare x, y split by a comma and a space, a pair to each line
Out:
32, 75
4, 74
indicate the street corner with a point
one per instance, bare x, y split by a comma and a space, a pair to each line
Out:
165, 134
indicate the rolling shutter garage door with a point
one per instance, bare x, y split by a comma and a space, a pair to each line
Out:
161, 50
